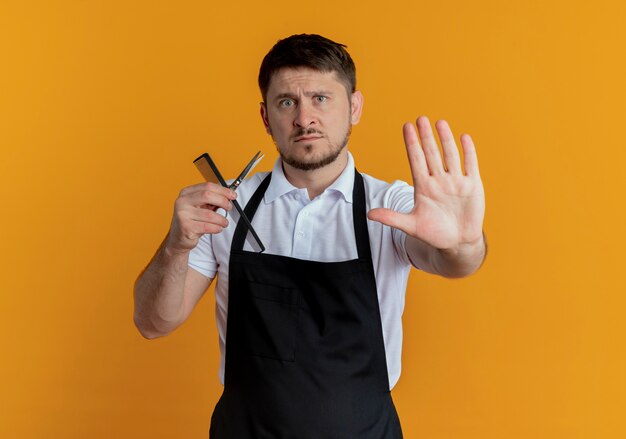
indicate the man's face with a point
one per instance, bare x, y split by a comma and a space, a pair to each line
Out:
309, 115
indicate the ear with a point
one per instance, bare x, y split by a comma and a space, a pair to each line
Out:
265, 119
356, 107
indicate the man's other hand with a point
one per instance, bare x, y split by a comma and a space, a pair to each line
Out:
449, 200
195, 215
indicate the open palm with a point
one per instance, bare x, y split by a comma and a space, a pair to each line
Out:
449, 203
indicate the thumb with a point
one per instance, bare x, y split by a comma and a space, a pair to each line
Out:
391, 218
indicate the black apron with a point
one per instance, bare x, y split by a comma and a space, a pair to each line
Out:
305, 357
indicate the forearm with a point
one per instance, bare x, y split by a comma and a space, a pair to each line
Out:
451, 263
159, 293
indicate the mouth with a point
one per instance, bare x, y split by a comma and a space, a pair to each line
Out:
307, 138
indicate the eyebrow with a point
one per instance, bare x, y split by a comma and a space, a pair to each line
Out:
308, 94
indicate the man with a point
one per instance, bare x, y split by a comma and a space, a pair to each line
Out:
310, 330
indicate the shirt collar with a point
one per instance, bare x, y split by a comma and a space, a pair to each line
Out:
279, 185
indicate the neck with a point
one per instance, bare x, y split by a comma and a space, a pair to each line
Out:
318, 180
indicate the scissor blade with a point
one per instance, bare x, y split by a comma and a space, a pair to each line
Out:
255, 160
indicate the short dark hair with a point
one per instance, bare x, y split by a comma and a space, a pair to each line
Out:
311, 51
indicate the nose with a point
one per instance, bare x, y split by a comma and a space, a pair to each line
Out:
305, 116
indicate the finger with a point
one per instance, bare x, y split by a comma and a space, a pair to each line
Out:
451, 155
213, 199
193, 188
201, 224
193, 230
414, 152
209, 186
429, 145
200, 228
470, 158
209, 216
391, 218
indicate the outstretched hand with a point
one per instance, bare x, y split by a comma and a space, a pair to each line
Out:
449, 202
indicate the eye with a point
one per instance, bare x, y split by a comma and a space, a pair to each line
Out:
321, 98
286, 103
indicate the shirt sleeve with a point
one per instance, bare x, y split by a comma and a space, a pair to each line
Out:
202, 259
400, 198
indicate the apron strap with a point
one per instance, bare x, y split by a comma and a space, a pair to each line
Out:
359, 215
242, 231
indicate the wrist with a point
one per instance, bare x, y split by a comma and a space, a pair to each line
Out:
465, 248
172, 250
464, 259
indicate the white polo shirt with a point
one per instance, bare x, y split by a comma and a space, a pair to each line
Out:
290, 224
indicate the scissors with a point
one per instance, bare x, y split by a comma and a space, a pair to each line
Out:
255, 160
209, 171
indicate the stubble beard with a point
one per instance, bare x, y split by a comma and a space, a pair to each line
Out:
327, 159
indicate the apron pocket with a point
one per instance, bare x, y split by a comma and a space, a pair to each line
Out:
270, 321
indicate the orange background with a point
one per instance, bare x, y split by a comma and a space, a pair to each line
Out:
104, 104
